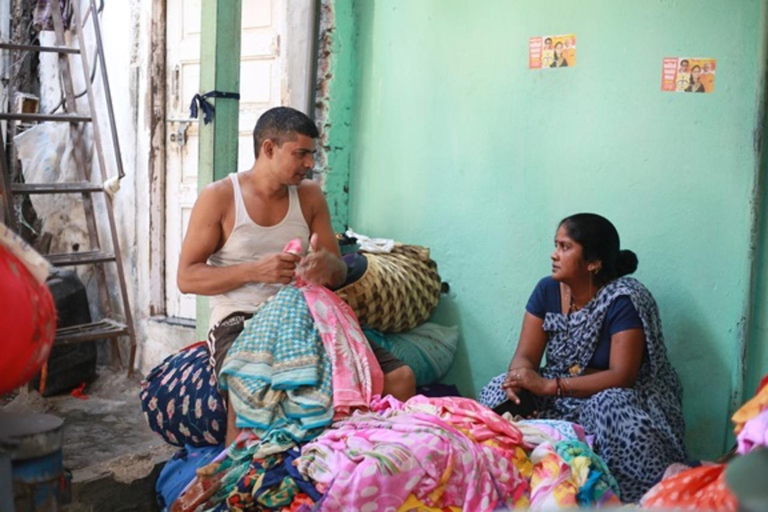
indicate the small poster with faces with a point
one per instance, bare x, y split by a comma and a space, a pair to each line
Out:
688, 74
548, 52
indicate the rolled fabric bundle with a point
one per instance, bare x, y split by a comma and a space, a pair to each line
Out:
428, 349
398, 291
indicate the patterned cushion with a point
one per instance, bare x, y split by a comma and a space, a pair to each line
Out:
181, 402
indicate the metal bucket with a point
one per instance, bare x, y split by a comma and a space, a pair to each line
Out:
32, 442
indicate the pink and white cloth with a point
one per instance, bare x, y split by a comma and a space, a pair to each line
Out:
428, 447
754, 433
357, 376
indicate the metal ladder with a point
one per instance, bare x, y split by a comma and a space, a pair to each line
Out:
108, 327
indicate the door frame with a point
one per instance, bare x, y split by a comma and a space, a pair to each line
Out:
157, 136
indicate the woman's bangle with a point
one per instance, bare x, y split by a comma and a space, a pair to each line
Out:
565, 391
559, 390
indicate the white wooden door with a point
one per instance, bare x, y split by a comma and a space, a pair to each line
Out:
263, 76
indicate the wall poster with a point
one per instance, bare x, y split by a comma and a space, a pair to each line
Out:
688, 74
552, 51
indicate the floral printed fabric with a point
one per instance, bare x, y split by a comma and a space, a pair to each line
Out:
552, 485
268, 484
569, 474
181, 402
357, 376
558, 430
446, 452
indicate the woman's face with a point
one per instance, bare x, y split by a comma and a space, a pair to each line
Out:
559, 47
696, 72
567, 260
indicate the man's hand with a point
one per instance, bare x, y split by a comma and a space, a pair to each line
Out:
320, 267
275, 268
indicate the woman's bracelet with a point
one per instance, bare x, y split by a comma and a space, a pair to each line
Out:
559, 390
565, 391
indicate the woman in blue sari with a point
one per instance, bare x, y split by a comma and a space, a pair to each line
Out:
606, 363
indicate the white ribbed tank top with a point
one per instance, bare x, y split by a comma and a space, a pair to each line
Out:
249, 242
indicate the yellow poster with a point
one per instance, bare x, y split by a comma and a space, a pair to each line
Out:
552, 51
688, 74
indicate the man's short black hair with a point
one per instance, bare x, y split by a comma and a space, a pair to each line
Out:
281, 124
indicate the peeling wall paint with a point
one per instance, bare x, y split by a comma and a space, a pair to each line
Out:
334, 103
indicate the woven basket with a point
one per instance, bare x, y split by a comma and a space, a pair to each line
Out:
398, 291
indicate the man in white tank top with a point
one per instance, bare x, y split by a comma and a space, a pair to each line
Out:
239, 225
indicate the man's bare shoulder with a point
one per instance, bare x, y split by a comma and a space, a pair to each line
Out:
311, 190
216, 196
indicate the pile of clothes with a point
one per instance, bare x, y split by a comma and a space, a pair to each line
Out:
446, 453
704, 487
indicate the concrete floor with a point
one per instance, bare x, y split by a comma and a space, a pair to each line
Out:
113, 457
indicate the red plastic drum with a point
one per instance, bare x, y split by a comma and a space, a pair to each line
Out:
27, 322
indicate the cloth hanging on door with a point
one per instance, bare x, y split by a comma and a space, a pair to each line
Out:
199, 101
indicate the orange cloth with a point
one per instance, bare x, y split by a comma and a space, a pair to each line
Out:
708, 81
701, 488
752, 408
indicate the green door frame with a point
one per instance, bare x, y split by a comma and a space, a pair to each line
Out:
219, 71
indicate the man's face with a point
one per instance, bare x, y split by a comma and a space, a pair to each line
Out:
684, 65
294, 159
548, 44
706, 67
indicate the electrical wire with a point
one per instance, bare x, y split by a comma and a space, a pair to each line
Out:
91, 78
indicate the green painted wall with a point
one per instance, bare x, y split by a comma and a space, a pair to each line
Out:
456, 145
757, 348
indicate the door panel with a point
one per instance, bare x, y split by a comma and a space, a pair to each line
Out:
261, 71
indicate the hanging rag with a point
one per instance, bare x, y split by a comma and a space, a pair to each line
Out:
200, 101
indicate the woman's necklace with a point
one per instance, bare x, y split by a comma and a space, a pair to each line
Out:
572, 307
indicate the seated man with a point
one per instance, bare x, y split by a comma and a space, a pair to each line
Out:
239, 226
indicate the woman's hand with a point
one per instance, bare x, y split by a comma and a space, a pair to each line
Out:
525, 378
511, 391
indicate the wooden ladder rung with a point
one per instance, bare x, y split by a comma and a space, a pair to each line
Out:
103, 329
55, 188
35, 48
79, 258
32, 118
